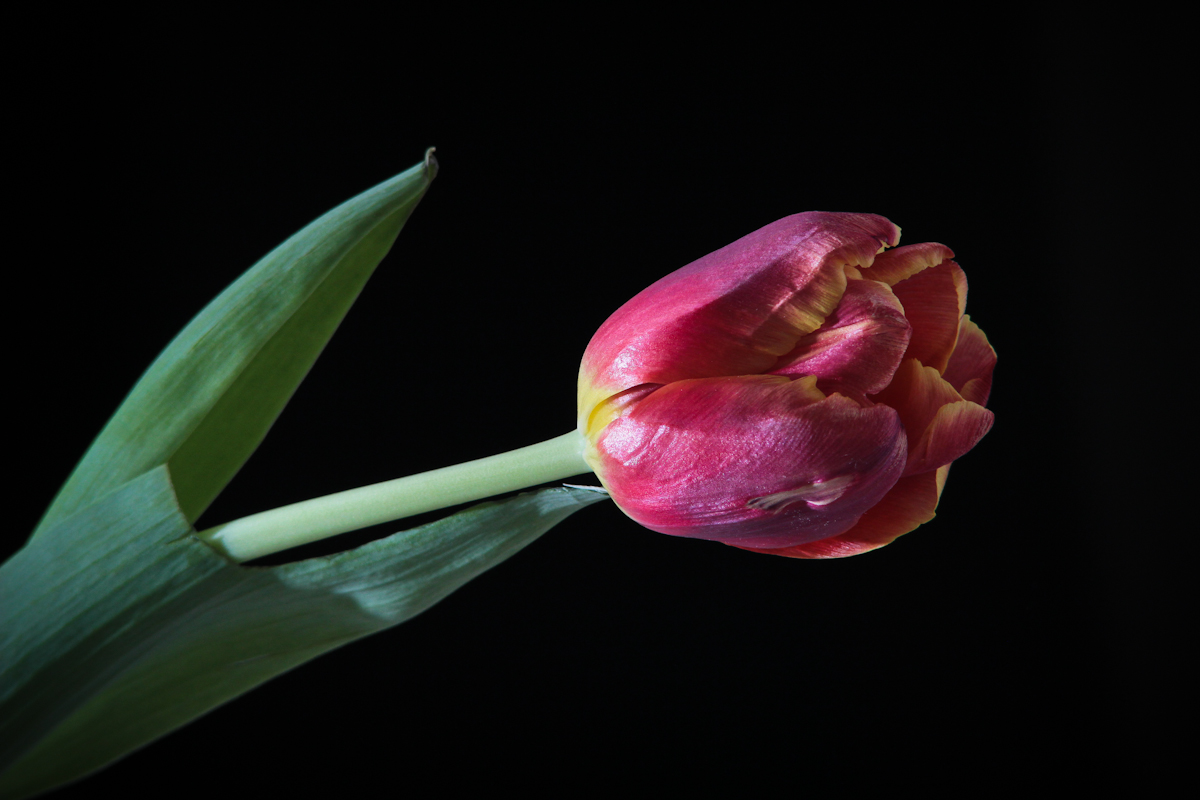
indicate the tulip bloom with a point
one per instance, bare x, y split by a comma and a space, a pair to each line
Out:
802, 391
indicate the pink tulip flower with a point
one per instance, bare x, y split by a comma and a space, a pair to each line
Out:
802, 391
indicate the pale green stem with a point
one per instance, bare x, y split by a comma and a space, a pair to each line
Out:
312, 520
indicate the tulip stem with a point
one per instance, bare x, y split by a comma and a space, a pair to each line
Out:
322, 517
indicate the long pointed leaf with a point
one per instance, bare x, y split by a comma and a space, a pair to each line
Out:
206, 403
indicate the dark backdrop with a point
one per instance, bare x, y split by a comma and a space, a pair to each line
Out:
1007, 636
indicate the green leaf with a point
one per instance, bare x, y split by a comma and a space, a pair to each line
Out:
209, 399
117, 625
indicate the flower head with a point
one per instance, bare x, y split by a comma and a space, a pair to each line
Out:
801, 391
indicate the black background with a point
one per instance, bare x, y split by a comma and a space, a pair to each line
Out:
1007, 642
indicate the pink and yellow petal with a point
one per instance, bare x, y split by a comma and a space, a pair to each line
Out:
860, 345
917, 392
934, 301
954, 430
736, 310
757, 461
911, 503
970, 368
609, 408
939, 424
901, 263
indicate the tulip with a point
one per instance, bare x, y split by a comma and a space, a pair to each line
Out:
802, 391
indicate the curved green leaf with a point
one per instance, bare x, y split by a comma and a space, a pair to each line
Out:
209, 399
117, 625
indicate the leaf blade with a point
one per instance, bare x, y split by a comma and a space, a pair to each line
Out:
208, 400
192, 630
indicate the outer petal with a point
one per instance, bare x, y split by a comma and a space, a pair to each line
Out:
734, 311
970, 368
859, 347
940, 425
756, 461
934, 300
910, 503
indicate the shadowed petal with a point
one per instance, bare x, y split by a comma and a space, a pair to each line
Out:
933, 300
939, 424
901, 263
917, 392
954, 430
909, 504
759, 461
971, 365
736, 310
860, 345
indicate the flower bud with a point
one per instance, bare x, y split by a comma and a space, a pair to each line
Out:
802, 391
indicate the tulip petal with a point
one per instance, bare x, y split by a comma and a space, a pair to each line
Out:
736, 310
971, 365
859, 347
955, 429
934, 300
757, 461
901, 263
910, 503
940, 425
917, 392
612, 407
